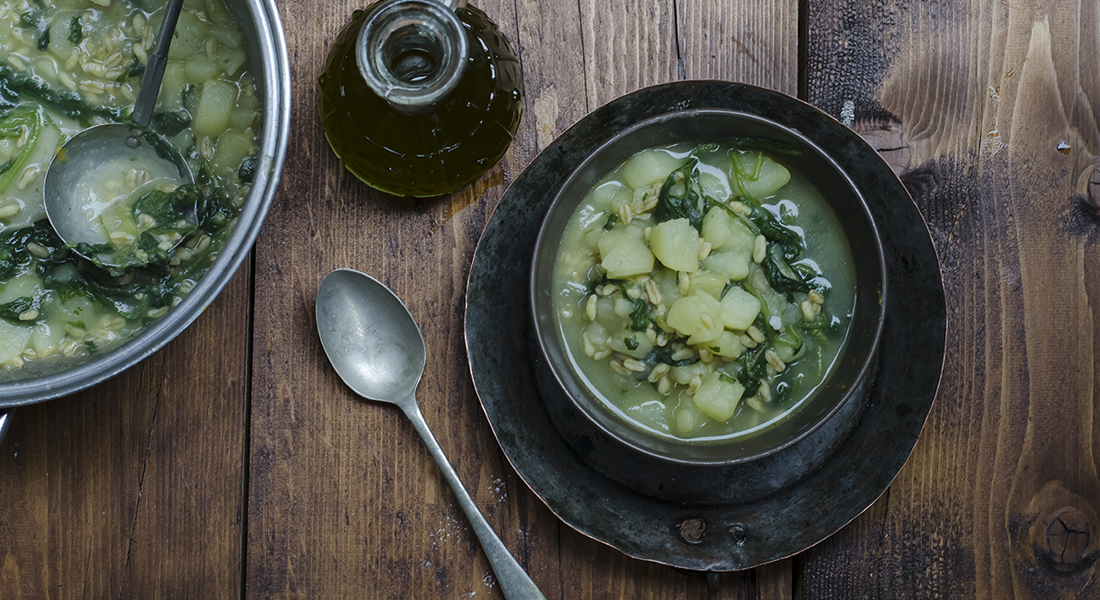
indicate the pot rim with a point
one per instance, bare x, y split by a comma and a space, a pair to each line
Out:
546, 335
272, 57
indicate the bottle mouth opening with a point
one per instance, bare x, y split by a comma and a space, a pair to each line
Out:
412, 53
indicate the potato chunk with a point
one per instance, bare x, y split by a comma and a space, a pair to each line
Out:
731, 264
698, 315
716, 227
739, 309
624, 253
217, 101
676, 244
649, 167
758, 176
718, 396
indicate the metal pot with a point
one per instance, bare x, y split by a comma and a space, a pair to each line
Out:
259, 21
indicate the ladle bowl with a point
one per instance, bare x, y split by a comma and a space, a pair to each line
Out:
93, 162
96, 167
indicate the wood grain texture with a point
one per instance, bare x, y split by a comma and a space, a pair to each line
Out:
344, 501
988, 110
133, 488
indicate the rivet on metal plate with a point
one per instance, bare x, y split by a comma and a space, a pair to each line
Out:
691, 530
739, 533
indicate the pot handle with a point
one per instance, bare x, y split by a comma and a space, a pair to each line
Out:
5, 420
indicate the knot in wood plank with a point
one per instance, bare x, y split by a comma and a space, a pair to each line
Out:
1093, 192
1068, 540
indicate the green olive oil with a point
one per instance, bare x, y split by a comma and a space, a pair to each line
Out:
419, 100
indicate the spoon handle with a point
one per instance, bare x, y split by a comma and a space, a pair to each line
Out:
154, 69
514, 582
5, 420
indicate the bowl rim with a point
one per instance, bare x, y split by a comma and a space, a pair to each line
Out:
272, 56
543, 335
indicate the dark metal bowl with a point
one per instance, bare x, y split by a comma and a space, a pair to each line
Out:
711, 473
259, 21
739, 532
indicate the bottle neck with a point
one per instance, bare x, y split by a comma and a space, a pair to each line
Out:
412, 53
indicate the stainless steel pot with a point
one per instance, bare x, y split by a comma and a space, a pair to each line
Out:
263, 31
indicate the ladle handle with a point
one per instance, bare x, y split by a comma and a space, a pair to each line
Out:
5, 420
454, 4
514, 581
154, 69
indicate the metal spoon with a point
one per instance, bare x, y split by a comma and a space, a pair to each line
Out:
376, 348
99, 154
5, 420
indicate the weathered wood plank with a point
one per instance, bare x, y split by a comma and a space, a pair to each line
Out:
135, 488
380, 518
987, 109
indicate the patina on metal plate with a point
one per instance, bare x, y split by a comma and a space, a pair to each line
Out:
738, 535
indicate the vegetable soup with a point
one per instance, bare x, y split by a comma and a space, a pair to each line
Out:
70, 64
703, 292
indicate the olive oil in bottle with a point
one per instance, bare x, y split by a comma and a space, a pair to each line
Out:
418, 98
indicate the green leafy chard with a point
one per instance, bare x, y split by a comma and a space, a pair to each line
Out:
15, 86
682, 196
21, 311
27, 124
76, 31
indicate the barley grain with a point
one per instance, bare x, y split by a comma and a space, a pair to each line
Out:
774, 361
707, 321
121, 238
810, 310
759, 249
664, 385
17, 62
27, 177
140, 53
652, 292
38, 250
624, 213
589, 348
92, 86
693, 385
658, 372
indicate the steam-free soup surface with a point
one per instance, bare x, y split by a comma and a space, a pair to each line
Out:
703, 292
69, 64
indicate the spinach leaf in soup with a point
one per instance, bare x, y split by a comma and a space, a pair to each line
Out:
25, 128
21, 86
682, 197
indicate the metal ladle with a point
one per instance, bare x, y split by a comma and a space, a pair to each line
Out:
80, 166
376, 348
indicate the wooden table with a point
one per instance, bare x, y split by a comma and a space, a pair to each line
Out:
234, 463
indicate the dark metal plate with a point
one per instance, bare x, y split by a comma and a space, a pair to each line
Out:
739, 535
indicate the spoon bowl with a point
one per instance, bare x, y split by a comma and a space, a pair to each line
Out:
369, 336
95, 168
376, 348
